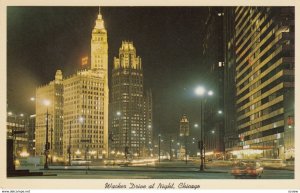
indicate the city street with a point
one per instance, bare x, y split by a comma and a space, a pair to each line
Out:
150, 92
167, 170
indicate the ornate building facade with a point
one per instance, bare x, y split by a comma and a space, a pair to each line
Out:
78, 107
86, 102
131, 111
49, 111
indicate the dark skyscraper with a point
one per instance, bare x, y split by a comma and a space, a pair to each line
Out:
213, 55
231, 136
130, 130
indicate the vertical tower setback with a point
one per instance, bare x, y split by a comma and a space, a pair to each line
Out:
130, 129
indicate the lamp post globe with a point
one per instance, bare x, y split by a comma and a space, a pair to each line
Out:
200, 91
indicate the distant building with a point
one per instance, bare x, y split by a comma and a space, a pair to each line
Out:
17, 130
131, 110
184, 128
31, 135
49, 100
184, 133
264, 47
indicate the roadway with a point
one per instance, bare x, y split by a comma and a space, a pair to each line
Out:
167, 170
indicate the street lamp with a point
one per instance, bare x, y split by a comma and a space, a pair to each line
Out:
51, 142
210, 93
47, 145
171, 144
85, 141
159, 148
126, 148
177, 150
201, 92
69, 149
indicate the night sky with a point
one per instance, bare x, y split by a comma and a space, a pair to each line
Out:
168, 39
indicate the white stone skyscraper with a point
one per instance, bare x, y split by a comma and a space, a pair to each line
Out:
49, 100
86, 103
83, 106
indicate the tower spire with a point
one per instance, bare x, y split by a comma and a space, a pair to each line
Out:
99, 21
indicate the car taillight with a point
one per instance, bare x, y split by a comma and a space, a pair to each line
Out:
251, 171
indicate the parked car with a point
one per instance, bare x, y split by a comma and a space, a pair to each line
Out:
247, 169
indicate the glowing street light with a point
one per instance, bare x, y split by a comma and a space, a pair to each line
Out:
24, 154
46, 102
196, 125
210, 93
220, 112
32, 99
200, 91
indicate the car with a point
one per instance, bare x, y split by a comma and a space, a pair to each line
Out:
247, 169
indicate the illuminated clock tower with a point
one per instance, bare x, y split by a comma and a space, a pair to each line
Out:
99, 65
99, 47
